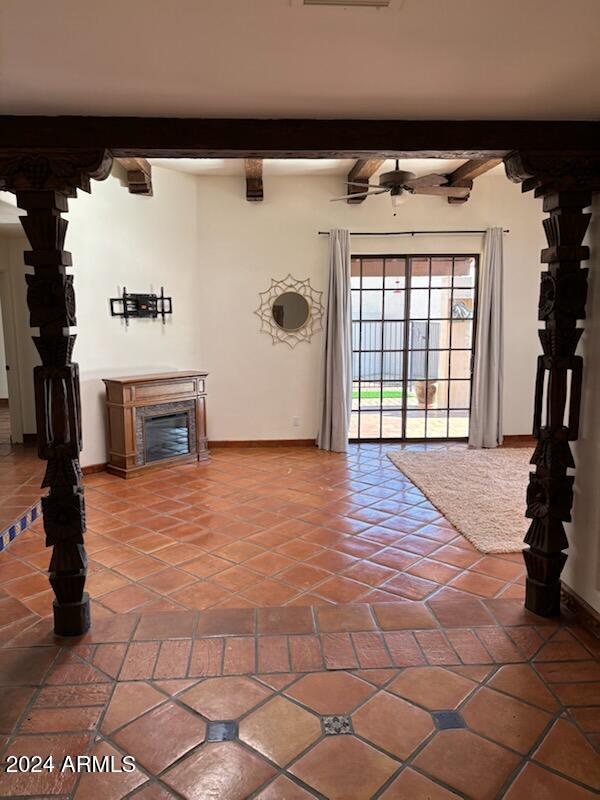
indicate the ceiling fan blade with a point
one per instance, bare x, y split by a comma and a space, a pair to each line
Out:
441, 191
428, 180
358, 194
364, 185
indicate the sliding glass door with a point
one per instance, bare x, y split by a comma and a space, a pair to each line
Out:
413, 325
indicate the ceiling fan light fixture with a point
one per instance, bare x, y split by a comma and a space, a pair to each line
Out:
399, 197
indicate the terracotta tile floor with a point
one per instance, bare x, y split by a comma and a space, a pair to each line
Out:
248, 608
346, 702
262, 527
20, 476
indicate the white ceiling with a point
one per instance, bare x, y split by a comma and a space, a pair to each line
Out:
428, 59
301, 166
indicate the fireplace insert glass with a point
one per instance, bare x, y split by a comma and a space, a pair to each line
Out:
166, 436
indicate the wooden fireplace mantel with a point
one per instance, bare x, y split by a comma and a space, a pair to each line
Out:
131, 399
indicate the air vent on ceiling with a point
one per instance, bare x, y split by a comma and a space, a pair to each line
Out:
371, 3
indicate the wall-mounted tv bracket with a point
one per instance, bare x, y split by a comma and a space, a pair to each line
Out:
141, 305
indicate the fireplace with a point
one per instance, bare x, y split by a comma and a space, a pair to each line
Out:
155, 420
166, 436
164, 430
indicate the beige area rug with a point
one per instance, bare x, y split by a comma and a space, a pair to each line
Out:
481, 492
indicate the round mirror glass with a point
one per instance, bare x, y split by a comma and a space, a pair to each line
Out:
290, 311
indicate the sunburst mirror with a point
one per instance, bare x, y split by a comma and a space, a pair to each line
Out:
290, 311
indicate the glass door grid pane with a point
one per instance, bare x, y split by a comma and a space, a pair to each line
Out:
412, 354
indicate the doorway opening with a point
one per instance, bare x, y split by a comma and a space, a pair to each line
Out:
413, 337
11, 419
5, 429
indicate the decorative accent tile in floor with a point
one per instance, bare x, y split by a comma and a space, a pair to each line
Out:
20, 525
20, 477
336, 725
226, 731
448, 719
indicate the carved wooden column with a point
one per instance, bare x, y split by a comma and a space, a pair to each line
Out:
566, 187
43, 183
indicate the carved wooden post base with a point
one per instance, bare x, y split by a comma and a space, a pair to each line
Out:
72, 619
42, 185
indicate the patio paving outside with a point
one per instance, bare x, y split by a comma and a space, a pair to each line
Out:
438, 425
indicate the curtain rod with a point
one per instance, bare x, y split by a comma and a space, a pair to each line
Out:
407, 233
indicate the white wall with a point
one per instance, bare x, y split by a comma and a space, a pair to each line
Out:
143, 243
255, 387
582, 571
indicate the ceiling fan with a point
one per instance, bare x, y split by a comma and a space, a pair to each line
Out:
400, 184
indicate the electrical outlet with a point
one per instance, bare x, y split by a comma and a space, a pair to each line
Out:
296, 422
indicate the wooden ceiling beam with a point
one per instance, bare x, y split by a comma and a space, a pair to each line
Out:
362, 171
139, 175
473, 169
464, 175
254, 179
174, 137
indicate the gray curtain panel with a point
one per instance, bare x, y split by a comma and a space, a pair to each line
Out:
486, 405
335, 401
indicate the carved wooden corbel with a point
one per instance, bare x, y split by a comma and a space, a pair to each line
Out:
253, 167
139, 175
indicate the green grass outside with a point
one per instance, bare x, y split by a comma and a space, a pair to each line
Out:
375, 394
